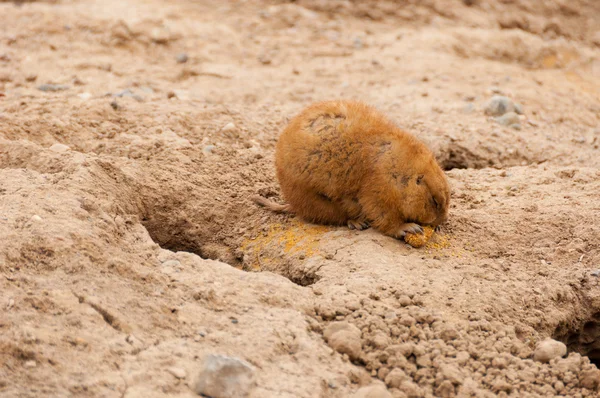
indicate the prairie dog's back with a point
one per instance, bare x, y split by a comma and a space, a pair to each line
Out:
332, 145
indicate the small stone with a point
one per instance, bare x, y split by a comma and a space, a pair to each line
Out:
508, 119
518, 108
85, 96
595, 273
181, 58
36, 218
344, 338
53, 87
499, 105
515, 126
224, 377
264, 59
375, 390
208, 149
228, 128
177, 372
171, 263
160, 35
59, 148
115, 105
30, 364
549, 349
31, 78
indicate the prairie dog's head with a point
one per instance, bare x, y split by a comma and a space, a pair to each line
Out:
426, 194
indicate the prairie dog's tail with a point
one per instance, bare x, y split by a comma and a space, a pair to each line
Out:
275, 207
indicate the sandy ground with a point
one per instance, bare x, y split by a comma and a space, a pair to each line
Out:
129, 248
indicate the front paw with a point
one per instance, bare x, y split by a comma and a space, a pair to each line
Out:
408, 228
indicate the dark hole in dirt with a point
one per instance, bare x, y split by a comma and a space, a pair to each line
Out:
583, 338
171, 236
455, 156
304, 280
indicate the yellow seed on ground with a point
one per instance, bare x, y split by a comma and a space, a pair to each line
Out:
419, 240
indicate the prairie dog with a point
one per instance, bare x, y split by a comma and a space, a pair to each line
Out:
344, 162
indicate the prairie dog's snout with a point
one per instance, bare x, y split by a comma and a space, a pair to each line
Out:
343, 162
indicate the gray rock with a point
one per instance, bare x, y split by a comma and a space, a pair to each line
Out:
508, 119
182, 58
499, 105
224, 377
53, 87
129, 93
518, 108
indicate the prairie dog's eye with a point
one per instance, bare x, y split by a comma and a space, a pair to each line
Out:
420, 179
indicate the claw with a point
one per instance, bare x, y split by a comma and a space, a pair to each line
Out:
358, 225
410, 228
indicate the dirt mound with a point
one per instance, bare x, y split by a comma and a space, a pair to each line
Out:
133, 135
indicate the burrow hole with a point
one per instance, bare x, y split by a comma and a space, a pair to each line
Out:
583, 339
170, 236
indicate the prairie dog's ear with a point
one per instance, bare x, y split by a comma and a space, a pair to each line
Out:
419, 179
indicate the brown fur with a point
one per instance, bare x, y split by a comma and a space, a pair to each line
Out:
343, 162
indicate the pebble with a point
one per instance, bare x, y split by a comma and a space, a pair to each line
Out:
518, 108
30, 364
229, 127
53, 87
128, 93
182, 58
208, 149
509, 119
344, 338
85, 96
177, 372
224, 377
549, 349
59, 148
375, 390
171, 263
160, 35
499, 105
36, 218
